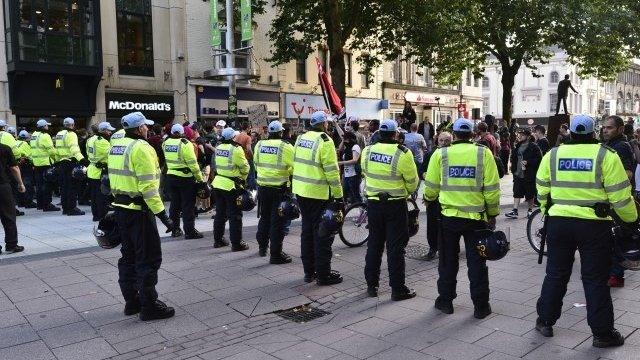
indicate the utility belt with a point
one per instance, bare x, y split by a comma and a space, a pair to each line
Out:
385, 197
601, 209
239, 183
184, 170
100, 165
128, 200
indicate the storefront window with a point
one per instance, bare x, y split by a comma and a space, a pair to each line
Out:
135, 37
301, 70
52, 31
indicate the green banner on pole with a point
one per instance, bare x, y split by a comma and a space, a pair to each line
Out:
245, 20
216, 39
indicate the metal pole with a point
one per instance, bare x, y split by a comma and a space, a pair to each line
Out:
232, 109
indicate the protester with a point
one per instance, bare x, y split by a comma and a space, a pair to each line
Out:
525, 159
540, 134
352, 173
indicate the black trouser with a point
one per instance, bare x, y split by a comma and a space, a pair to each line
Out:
593, 240
388, 225
271, 224
182, 191
433, 224
26, 198
227, 208
99, 201
43, 188
452, 229
68, 186
562, 98
141, 255
315, 245
8, 216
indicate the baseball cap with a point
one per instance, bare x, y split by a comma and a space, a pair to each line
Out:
318, 117
23, 134
275, 126
3, 123
134, 120
221, 123
388, 125
11, 130
177, 129
228, 133
42, 123
463, 125
68, 121
581, 124
105, 126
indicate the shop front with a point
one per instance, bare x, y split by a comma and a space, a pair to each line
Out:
300, 107
212, 104
437, 107
157, 107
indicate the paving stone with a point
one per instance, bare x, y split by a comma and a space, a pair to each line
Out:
53, 318
104, 315
252, 354
361, 346
33, 306
68, 334
35, 350
187, 296
509, 344
224, 352
508, 324
15, 335
375, 327
397, 352
78, 289
306, 350
95, 349
10, 318
499, 356
414, 338
21, 294
138, 343
128, 329
92, 301
178, 326
549, 351
65, 280
451, 349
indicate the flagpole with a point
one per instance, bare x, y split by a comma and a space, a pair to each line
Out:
232, 115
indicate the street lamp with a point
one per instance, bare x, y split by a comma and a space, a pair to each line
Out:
439, 111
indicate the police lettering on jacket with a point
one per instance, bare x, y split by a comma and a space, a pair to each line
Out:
171, 148
306, 144
223, 153
268, 150
380, 158
462, 172
117, 150
575, 164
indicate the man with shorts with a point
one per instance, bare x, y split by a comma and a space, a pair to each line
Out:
525, 159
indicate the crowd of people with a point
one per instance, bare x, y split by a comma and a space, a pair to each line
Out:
130, 173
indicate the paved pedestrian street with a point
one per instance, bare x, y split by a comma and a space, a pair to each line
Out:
67, 305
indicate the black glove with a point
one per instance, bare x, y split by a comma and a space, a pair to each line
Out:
84, 162
166, 221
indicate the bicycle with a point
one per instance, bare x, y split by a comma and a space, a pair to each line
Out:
535, 225
354, 231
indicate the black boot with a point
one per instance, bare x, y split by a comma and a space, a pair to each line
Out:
610, 340
177, 232
332, 278
372, 291
481, 312
193, 234
241, 246
262, 251
156, 311
281, 258
220, 243
543, 328
75, 212
132, 307
444, 306
404, 294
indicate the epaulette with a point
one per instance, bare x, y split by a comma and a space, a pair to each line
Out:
99, 137
609, 148
184, 141
403, 148
324, 137
483, 145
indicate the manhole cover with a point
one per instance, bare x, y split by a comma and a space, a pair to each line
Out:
302, 314
416, 251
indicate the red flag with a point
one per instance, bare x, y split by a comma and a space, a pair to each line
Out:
331, 98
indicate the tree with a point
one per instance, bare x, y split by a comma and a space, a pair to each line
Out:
451, 36
301, 26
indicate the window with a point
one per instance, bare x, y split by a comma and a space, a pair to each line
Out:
241, 60
553, 100
476, 81
554, 78
324, 59
347, 70
365, 81
135, 37
485, 106
301, 70
485, 82
7, 32
54, 31
468, 77
397, 71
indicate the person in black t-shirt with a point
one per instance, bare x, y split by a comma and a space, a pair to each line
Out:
8, 165
540, 133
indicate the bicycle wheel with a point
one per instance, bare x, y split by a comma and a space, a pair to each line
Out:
355, 230
535, 223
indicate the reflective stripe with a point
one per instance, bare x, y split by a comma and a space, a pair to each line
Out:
305, 161
270, 166
410, 180
469, 209
310, 181
621, 203
149, 194
618, 186
480, 167
334, 182
597, 184
225, 167
331, 167
123, 192
280, 152
543, 183
469, 188
280, 180
577, 202
147, 177
127, 153
479, 173
391, 192
541, 198
432, 185
384, 177
174, 162
394, 162
122, 172
492, 187
365, 166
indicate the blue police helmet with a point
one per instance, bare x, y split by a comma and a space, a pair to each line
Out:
228, 133
275, 126
388, 125
463, 125
582, 124
318, 117
177, 129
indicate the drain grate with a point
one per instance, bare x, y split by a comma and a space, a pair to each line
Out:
302, 314
416, 251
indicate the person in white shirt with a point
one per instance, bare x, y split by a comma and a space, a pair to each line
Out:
352, 172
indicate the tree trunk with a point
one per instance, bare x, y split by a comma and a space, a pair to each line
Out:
338, 76
336, 47
508, 80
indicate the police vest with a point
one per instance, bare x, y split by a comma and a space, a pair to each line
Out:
134, 172
116, 137
180, 158
23, 150
271, 166
67, 145
42, 149
578, 176
380, 167
465, 177
228, 173
315, 169
97, 153
10, 141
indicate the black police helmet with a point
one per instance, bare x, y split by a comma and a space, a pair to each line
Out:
105, 185
414, 224
246, 200
289, 208
203, 191
491, 245
627, 246
107, 233
79, 172
51, 175
332, 219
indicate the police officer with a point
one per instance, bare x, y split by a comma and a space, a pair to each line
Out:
231, 170
25, 164
183, 174
465, 177
134, 177
7, 138
67, 156
43, 154
116, 137
391, 176
273, 160
573, 181
316, 180
97, 152
8, 167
